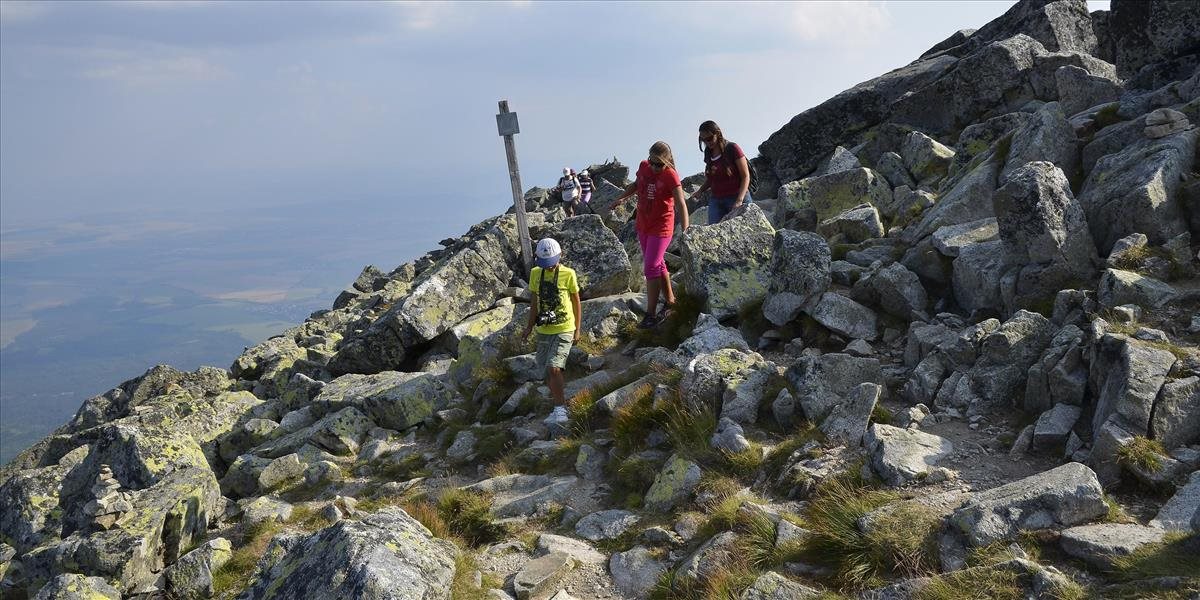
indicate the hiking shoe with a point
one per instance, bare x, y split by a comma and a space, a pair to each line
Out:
665, 311
649, 322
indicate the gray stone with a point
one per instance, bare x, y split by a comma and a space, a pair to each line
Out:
605, 524
894, 289
265, 509
1175, 420
1136, 190
1055, 425
968, 199
729, 437
463, 446
976, 275
280, 472
625, 395
1182, 511
1047, 137
830, 195
822, 381
891, 166
1059, 376
707, 377
783, 408
589, 463
847, 422
579, 550
799, 274
1119, 287
1127, 377
1078, 89
926, 159
1061, 497
773, 586
900, 456
1099, 544
673, 484
392, 399
745, 392
340, 434
191, 577
839, 160
729, 280
539, 578
1006, 355
854, 225
520, 495
387, 554
710, 558
1163, 122
845, 316
72, 586
710, 336
952, 238
635, 571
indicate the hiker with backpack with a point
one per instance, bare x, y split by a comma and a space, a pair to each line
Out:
727, 173
568, 184
585, 190
659, 192
555, 312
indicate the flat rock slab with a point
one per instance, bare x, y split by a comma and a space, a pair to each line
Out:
605, 524
635, 571
1061, 497
540, 578
1182, 511
773, 586
548, 543
899, 456
1100, 544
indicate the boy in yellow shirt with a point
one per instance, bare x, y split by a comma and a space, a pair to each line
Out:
554, 287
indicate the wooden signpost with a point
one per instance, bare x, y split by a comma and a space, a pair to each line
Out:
506, 123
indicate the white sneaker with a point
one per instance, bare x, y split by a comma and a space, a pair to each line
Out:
558, 415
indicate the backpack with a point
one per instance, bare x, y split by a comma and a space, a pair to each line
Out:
570, 189
753, 187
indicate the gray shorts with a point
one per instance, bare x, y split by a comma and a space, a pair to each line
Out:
553, 349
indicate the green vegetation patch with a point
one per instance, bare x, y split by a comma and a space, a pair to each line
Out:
1142, 453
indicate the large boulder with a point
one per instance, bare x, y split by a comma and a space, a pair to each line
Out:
830, 195
387, 554
925, 158
1136, 190
1182, 511
1176, 418
968, 198
1059, 377
593, 250
847, 422
1060, 25
391, 399
466, 281
1043, 233
1061, 497
1101, 544
1126, 376
1047, 137
854, 225
72, 586
822, 382
773, 586
844, 316
708, 377
1144, 33
191, 578
799, 274
1000, 373
899, 456
894, 289
726, 263
635, 571
1118, 287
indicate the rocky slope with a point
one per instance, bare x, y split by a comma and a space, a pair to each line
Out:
953, 356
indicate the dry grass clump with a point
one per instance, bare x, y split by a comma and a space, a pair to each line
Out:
468, 515
836, 541
235, 574
1178, 555
1142, 453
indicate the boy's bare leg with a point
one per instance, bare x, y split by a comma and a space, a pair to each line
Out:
554, 378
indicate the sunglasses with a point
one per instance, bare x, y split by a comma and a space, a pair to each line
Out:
707, 137
656, 163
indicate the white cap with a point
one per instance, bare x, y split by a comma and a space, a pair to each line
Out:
583, 172
547, 252
566, 171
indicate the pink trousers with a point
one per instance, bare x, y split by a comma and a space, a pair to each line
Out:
653, 250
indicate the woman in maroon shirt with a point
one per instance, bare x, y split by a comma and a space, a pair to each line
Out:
659, 192
726, 172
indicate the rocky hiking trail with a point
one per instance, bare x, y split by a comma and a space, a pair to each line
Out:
952, 354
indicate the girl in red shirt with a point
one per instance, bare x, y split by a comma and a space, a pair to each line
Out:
659, 191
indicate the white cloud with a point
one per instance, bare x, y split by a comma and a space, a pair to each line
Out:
13, 11
150, 71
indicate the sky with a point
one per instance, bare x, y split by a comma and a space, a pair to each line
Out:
251, 106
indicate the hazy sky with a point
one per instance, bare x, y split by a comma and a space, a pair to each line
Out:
111, 106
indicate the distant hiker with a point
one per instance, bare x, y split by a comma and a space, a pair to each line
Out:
585, 190
726, 173
659, 192
556, 314
568, 184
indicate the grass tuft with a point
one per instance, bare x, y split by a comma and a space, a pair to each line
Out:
1142, 453
836, 541
469, 515
1178, 555
235, 574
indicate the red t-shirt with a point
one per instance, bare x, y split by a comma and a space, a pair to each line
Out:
656, 200
722, 171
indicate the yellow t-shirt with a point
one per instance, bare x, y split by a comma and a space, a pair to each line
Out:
567, 284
